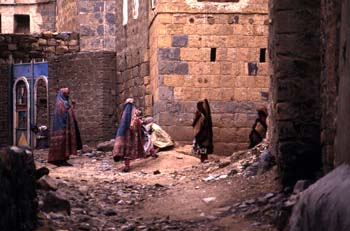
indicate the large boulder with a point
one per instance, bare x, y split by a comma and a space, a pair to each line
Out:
18, 201
324, 206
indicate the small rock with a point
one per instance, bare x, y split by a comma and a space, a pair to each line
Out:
110, 212
209, 199
224, 164
105, 146
47, 183
179, 157
269, 195
156, 172
41, 172
55, 202
232, 172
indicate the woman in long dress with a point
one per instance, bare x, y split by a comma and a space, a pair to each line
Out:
203, 131
129, 141
65, 136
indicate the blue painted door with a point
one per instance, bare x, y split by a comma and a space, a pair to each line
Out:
25, 77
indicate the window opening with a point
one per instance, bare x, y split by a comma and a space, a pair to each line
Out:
22, 24
212, 54
262, 55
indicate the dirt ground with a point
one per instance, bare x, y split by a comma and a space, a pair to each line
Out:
171, 192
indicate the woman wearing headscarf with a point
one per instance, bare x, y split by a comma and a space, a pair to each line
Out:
129, 141
203, 131
259, 128
65, 136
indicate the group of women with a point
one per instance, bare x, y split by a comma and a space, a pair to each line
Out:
65, 137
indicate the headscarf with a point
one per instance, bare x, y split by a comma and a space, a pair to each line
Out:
125, 120
62, 106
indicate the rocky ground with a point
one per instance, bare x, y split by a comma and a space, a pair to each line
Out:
171, 192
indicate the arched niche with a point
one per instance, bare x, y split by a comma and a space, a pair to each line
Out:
41, 109
21, 113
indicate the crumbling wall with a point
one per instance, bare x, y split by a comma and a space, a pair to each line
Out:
294, 45
132, 55
90, 76
209, 50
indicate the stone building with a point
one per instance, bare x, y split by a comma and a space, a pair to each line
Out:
166, 54
197, 50
309, 86
27, 16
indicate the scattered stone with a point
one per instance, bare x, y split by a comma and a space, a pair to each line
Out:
54, 202
232, 172
110, 212
156, 172
86, 149
41, 172
209, 199
224, 164
47, 183
105, 146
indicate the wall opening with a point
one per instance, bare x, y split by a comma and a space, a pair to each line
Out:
262, 58
22, 24
0, 24
212, 54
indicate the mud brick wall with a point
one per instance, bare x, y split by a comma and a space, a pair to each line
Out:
42, 16
90, 76
295, 84
330, 31
94, 20
342, 144
209, 50
132, 56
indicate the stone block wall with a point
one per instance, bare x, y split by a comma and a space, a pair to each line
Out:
294, 47
90, 76
330, 32
42, 16
94, 20
209, 50
67, 16
132, 42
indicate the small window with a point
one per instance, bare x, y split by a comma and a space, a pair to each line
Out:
22, 24
212, 54
262, 55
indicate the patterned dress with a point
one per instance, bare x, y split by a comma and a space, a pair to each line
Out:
65, 136
129, 141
